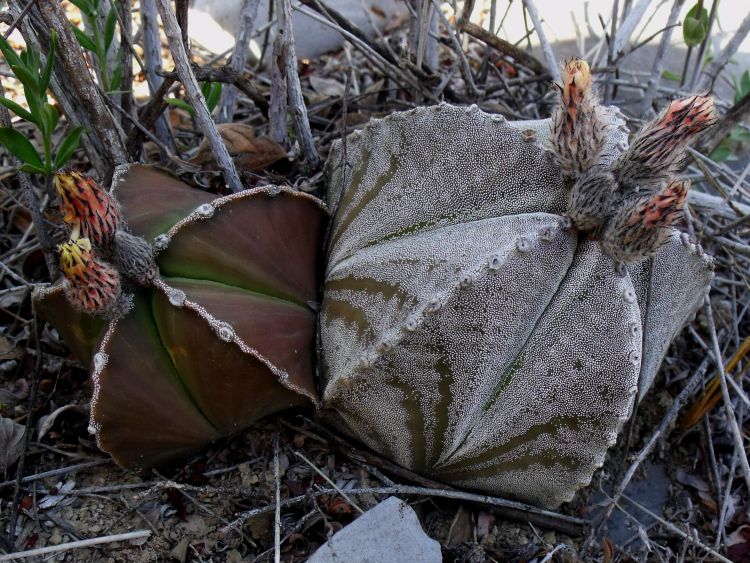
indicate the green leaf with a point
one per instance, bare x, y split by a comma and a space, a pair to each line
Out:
85, 41
743, 87
67, 147
19, 146
181, 104
109, 29
695, 25
47, 72
17, 109
213, 96
10, 55
721, 153
29, 80
85, 6
51, 117
669, 75
31, 169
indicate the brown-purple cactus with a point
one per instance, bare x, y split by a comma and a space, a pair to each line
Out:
216, 325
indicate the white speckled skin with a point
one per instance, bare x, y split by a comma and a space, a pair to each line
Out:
466, 332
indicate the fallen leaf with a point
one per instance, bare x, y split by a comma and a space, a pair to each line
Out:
607, 549
461, 527
327, 87
485, 521
8, 350
11, 443
692, 481
13, 296
248, 151
46, 422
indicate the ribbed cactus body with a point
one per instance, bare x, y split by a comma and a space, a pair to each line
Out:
467, 332
222, 336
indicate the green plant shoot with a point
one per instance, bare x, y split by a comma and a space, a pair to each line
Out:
35, 78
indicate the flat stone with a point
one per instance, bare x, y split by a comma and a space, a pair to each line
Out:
387, 533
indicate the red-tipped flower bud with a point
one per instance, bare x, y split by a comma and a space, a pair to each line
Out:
658, 150
90, 285
578, 129
643, 224
88, 208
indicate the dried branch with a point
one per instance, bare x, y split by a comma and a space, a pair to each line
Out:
646, 450
195, 96
239, 56
632, 20
297, 106
711, 72
569, 525
227, 75
152, 55
736, 115
126, 60
277, 112
658, 66
149, 116
277, 512
76, 545
549, 55
466, 73
731, 416
702, 48
505, 47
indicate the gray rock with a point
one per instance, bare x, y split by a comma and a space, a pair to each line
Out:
312, 39
388, 533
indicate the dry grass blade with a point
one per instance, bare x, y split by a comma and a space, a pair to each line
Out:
712, 394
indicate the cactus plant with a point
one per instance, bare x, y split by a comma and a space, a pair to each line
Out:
219, 336
468, 332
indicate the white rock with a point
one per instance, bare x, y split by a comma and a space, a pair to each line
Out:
214, 24
388, 533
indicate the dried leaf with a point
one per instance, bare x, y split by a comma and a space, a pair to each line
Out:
485, 521
9, 350
13, 296
60, 496
11, 442
46, 422
692, 481
461, 527
607, 549
248, 151
327, 87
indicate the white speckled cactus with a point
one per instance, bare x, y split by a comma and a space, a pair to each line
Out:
467, 332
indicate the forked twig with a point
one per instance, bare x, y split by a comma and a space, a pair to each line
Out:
195, 96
